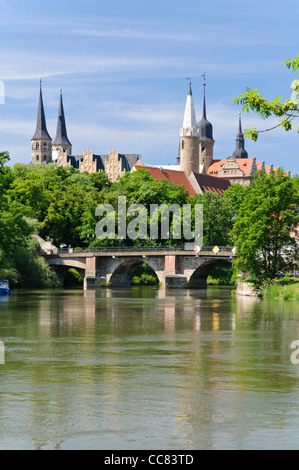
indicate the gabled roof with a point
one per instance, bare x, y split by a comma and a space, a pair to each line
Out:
244, 164
176, 177
203, 182
212, 183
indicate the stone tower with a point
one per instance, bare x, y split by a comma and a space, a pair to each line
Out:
189, 140
206, 141
240, 151
61, 142
41, 142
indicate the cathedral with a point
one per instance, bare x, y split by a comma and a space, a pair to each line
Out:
43, 150
195, 168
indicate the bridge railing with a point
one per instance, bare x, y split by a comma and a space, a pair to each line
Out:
65, 250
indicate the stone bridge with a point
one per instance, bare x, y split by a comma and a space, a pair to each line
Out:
173, 267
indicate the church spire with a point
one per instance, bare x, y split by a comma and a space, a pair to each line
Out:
240, 151
41, 126
189, 123
206, 141
61, 133
204, 126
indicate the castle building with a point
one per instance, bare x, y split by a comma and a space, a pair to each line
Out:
195, 167
237, 168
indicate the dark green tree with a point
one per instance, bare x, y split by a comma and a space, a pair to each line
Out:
264, 225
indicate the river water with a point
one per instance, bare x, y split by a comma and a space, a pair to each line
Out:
147, 369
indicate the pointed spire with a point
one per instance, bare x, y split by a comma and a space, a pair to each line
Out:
61, 133
189, 116
204, 112
41, 126
240, 151
204, 126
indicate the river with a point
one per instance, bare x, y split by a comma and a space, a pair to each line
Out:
146, 368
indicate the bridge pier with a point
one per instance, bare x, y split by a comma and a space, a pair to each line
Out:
90, 279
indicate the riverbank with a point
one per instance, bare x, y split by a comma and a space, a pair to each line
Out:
284, 289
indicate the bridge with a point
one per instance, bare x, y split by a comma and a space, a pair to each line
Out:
174, 266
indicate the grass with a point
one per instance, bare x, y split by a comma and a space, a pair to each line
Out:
284, 289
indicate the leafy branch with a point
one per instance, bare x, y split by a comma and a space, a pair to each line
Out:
288, 110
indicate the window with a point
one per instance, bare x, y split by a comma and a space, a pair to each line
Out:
183, 144
37, 158
37, 146
44, 146
45, 158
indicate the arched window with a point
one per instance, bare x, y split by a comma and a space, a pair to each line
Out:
37, 146
45, 158
45, 146
37, 158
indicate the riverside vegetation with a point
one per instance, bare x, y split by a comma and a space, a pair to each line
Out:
59, 203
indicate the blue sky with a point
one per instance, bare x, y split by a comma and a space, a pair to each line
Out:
123, 67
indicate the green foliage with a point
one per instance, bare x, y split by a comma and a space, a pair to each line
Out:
223, 275
284, 289
217, 218
144, 276
263, 227
288, 109
72, 278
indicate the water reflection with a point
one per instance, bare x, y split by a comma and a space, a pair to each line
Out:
147, 369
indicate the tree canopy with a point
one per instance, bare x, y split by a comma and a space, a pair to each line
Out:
264, 227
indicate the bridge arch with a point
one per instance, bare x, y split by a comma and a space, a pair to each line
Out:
123, 272
198, 278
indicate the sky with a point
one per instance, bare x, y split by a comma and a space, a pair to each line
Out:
124, 65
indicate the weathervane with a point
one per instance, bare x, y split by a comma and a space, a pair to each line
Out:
189, 78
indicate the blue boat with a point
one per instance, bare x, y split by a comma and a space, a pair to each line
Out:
4, 288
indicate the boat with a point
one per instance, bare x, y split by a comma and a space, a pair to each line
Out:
4, 288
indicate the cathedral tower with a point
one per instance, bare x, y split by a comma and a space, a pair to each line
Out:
206, 141
240, 151
189, 141
41, 142
61, 143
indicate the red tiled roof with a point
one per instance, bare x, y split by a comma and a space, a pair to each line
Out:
176, 177
212, 183
245, 165
206, 182
259, 165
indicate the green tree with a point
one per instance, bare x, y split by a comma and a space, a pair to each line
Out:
287, 110
217, 218
263, 227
